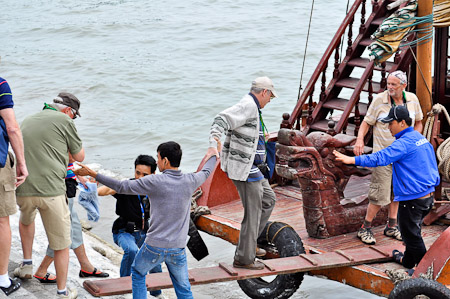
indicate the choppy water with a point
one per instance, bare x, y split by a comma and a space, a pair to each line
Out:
152, 71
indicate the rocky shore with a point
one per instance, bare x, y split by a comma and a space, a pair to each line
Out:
103, 255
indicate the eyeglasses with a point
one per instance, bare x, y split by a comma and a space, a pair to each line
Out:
74, 113
271, 93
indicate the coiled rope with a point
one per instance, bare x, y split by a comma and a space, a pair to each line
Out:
441, 13
390, 35
443, 151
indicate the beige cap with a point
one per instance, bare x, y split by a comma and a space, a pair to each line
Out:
264, 83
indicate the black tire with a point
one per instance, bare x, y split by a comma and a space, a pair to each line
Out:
410, 288
288, 243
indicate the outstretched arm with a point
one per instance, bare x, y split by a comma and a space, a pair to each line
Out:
103, 191
343, 158
214, 151
84, 171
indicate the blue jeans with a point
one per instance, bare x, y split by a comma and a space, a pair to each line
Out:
149, 257
130, 243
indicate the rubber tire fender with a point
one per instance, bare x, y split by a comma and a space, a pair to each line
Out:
410, 288
288, 243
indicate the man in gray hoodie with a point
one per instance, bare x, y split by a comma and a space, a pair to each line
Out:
170, 200
243, 158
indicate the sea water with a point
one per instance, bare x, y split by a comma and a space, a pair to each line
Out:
147, 72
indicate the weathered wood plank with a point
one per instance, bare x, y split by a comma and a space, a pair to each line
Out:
154, 281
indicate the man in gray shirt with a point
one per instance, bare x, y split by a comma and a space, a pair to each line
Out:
170, 200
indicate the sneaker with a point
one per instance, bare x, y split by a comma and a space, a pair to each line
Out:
366, 235
24, 271
256, 265
71, 294
160, 296
260, 252
393, 232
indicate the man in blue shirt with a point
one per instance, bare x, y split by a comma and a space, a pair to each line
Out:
12, 174
414, 177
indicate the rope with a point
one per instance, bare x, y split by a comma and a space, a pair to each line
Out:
395, 28
342, 41
441, 13
443, 151
399, 275
306, 47
278, 231
421, 73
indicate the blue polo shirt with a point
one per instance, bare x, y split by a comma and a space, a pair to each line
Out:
6, 100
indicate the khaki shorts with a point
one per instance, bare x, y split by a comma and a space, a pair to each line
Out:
7, 187
55, 217
380, 190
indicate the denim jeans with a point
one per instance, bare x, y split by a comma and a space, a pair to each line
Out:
410, 217
130, 243
148, 257
88, 199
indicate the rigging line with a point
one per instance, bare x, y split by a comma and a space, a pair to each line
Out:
421, 73
306, 47
342, 40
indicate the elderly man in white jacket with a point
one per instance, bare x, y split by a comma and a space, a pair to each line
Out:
243, 158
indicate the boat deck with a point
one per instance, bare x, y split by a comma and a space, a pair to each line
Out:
288, 209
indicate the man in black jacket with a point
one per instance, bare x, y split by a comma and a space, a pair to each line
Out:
129, 230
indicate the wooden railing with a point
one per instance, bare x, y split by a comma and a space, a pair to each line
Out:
321, 67
354, 99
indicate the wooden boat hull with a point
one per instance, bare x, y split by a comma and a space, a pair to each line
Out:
225, 219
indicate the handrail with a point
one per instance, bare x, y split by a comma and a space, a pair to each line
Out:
323, 62
355, 95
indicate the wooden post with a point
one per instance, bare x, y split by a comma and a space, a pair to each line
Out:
424, 51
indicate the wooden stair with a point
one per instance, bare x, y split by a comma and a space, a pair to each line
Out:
362, 62
339, 98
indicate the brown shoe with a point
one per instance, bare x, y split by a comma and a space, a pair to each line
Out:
253, 266
260, 252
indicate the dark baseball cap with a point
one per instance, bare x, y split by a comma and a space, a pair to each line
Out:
69, 100
397, 113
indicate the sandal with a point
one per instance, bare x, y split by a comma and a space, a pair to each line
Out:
398, 256
45, 279
15, 285
95, 273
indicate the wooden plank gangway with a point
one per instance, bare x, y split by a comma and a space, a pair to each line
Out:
224, 272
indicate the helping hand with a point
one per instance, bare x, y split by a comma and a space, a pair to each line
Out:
83, 180
343, 158
213, 151
84, 171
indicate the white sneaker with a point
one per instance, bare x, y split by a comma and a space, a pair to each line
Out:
24, 271
71, 294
